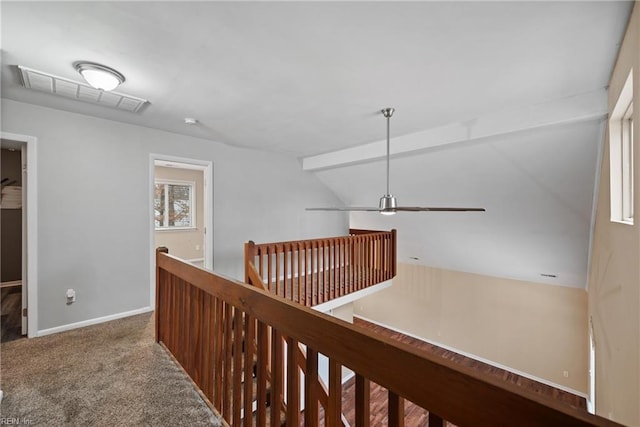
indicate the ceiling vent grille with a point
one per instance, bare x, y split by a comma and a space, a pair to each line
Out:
45, 82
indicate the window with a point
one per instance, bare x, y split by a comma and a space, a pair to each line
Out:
174, 204
627, 164
621, 155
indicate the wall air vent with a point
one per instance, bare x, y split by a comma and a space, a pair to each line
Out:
45, 82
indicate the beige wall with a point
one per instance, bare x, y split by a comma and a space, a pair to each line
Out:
183, 243
614, 278
538, 329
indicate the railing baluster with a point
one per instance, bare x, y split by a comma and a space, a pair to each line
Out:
208, 338
394, 254
351, 265
335, 267
333, 413
193, 319
378, 259
314, 283
268, 251
218, 353
396, 410
277, 377
343, 265
228, 362
285, 269
366, 253
277, 255
299, 275
247, 374
363, 261
307, 285
321, 272
237, 366
261, 377
310, 390
330, 289
293, 383
305, 270
362, 401
261, 261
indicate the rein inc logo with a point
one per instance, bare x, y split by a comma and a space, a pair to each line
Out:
14, 421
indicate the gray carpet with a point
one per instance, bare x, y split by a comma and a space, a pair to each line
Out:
112, 374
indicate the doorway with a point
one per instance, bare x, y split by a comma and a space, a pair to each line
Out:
19, 235
181, 210
11, 233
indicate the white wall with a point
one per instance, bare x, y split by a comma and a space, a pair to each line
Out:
94, 224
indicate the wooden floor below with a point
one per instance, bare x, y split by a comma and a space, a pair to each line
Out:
416, 416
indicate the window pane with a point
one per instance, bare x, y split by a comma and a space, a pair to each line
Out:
621, 155
179, 205
158, 204
627, 165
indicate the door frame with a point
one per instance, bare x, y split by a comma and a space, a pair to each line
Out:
207, 169
591, 396
29, 229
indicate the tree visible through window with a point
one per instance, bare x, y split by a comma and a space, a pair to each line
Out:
174, 205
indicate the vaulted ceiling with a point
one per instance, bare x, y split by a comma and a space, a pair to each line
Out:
499, 104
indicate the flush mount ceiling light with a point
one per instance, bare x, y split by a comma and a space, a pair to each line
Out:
43, 81
99, 76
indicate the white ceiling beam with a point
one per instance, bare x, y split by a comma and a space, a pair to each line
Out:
584, 107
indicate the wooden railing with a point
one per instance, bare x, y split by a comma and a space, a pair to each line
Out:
322, 394
204, 320
311, 272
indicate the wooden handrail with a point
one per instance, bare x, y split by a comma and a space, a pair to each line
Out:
315, 271
189, 299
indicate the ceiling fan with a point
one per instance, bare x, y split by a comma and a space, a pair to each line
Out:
388, 204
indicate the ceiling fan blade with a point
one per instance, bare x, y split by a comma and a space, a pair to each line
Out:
387, 201
346, 208
438, 209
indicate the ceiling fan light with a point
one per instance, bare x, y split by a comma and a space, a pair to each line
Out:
99, 76
388, 205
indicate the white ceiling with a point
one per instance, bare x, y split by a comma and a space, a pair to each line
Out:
307, 78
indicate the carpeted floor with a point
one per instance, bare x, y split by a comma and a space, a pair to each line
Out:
112, 374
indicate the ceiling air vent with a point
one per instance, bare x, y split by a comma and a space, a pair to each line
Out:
45, 82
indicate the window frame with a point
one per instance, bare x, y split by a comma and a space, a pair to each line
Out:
192, 204
621, 153
627, 164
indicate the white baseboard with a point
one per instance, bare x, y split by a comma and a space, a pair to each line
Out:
90, 322
478, 358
